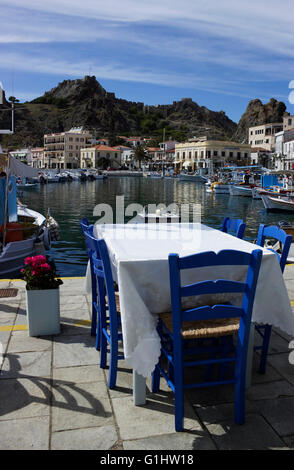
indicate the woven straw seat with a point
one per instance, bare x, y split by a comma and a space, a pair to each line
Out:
116, 301
204, 328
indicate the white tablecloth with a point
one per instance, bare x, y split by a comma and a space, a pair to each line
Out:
139, 256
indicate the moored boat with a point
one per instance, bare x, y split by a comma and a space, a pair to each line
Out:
283, 204
194, 177
240, 190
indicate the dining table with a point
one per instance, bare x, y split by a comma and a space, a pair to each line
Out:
139, 260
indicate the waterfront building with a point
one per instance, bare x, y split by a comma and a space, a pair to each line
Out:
100, 156
127, 156
288, 122
264, 135
62, 149
261, 156
37, 157
23, 155
284, 150
209, 154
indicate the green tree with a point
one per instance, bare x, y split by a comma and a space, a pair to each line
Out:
140, 154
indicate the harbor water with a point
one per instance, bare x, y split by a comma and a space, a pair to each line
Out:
70, 202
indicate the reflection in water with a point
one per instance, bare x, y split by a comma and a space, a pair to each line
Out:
69, 202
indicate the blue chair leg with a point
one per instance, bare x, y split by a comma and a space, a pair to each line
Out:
103, 351
155, 380
179, 406
98, 333
113, 363
265, 347
240, 374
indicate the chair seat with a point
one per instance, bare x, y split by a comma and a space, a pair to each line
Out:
204, 328
116, 301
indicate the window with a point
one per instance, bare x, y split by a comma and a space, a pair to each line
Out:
215, 153
289, 122
190, 154
184, 154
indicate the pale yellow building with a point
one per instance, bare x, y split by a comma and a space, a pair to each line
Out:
209, 154
62, 149
264, 136
288, 122
100, 156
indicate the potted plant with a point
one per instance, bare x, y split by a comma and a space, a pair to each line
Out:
42, 296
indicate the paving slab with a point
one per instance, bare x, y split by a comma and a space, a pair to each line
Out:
24, 398
277, 413
154, 418
270, 391
223, 412
255, 434
25, 434
17, 365
75, 350
281, 363
79, 374
80, 405
102, 438
21, 342
178, 441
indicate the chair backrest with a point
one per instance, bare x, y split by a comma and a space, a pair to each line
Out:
102, 270
219, 286
87, 229
272, 231
234, 225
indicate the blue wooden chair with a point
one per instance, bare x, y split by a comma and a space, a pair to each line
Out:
208, 327
279, 235
90, 249
109, 309
234, 225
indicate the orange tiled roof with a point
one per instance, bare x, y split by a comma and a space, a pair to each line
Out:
104, 147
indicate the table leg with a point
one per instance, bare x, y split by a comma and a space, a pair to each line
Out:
139, 389
250, 356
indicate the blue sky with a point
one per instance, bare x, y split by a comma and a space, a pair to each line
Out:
219, 53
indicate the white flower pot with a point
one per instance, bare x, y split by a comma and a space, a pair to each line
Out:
43, 312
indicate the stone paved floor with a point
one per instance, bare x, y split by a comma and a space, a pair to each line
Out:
53, 395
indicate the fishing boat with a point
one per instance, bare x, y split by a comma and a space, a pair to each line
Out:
46, 178
193, 177
23, 231
279, 204
240, 190
221, 188
159, 216
23, 184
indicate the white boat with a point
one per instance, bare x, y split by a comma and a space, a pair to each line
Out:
23, 230
160, 216
221, 188
240, 190
194, 177
49, 178
155, 175
277, 203
14, 253
25, 186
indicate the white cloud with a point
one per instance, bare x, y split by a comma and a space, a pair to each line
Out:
248, 42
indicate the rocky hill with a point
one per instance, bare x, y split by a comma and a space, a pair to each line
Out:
84, 102
257, 114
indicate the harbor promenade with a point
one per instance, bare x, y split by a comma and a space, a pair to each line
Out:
53, 394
